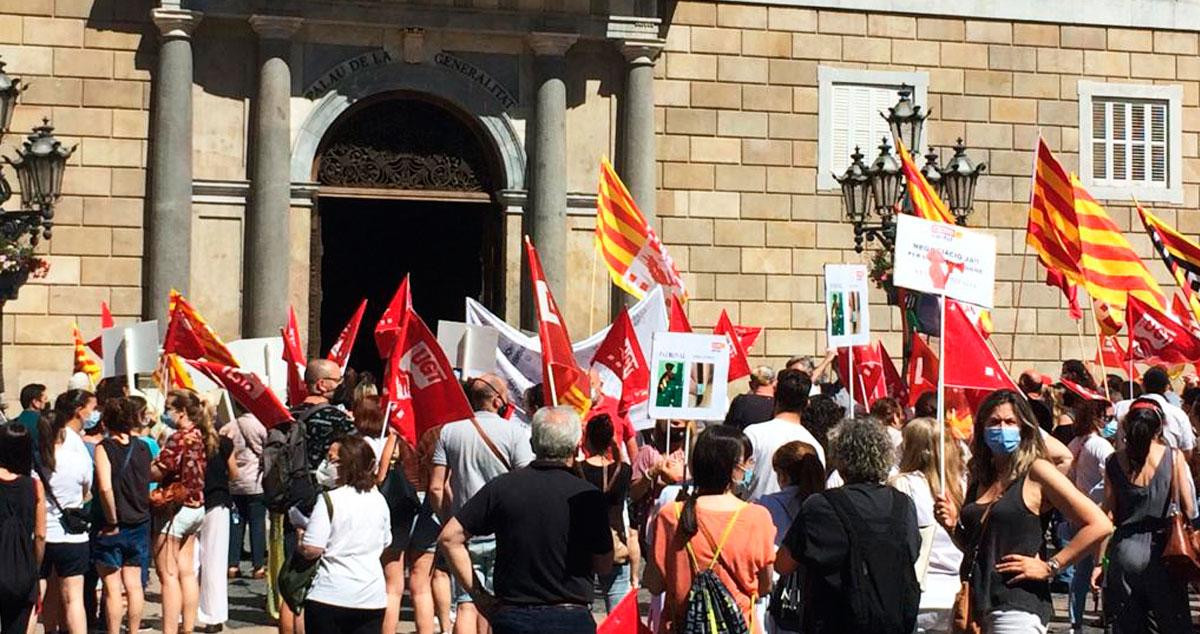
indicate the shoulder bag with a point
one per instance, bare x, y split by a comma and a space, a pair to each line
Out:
620, 542
965, 620
487, 440
1180, 554
297, 574
75, 521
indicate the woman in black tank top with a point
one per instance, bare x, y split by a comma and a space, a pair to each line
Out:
22, 529
1001, 525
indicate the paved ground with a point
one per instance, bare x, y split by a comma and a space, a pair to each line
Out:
247, 616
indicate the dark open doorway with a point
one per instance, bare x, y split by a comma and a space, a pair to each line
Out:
368, 245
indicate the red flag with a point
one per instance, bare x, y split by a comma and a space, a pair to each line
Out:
677, 316
1055, 278
293, 356
869, 383
422, 391
181, 339
247, 388
1155, 337
623, 619
340, 352
1179, 308
1112, 356
896, 387
922, 370
621, 353
974, 365
106, 321
748, 336
388, 330
564, 382
739, 364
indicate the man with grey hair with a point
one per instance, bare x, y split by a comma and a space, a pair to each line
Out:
552, 536
469, 454
866, 522
757, 405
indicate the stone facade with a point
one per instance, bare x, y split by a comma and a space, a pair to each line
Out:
736, 121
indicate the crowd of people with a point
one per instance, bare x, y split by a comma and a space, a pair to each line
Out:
802, 511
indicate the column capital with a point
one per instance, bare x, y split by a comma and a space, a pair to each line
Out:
546, 43
641, 51
176, 22
275, 27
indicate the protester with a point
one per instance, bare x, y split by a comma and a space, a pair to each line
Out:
791, 397
22, 529
469, 454
121, 546
612, 478
348, 530
249, 515
863, 519
551, 534
800, 474
693, 535
919, 477
369, 424
179, 470
34, 401
212, 552
1000, 528
821, 414
624, 433
658, 464
890, 414
1142, 482
1177, 431
757, 405
926, 405
428, 585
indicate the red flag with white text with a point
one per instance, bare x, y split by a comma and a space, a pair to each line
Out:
293, 356
1155, 337
388, 328
748, 335
248, 389
422, 391
739, 364
922, 370
563, 381
621, 353
339, 353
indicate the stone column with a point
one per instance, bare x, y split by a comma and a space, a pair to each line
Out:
637, 123
547, 203
169, 223
266, 245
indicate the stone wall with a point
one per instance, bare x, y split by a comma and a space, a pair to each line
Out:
738, 128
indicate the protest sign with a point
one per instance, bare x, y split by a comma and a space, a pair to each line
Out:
129, 350
847, 320
689, 376
263, 356
471, 349
942, 259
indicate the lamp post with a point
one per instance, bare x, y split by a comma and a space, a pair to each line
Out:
39, 165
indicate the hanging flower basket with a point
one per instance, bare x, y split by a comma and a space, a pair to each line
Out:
880, 272
17, 264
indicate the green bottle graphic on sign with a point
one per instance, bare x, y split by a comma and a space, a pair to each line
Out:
837, 315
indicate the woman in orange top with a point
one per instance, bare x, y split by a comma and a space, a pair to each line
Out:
711, 513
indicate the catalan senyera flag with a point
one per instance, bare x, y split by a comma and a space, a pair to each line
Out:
636, 259
1181, 255
83, 361
214, 349
563, 381
925, 201
173, 373
1052, 229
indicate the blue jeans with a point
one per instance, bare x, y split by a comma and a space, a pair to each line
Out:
1081, 587
543, 619
615, 585
248, 512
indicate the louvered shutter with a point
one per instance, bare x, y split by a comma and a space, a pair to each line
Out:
856, 121
1129, 142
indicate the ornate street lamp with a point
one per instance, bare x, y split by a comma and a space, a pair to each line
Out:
959, 178
856, 195
906, 120
933, 173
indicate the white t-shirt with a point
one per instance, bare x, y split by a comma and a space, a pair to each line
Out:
350, 574
1089, 453
766, 438
71, 478
941, 578
1177, 431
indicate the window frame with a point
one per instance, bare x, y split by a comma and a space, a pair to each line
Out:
827, 77
1089, 91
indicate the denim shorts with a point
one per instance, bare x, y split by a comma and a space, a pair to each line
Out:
129, 547
483, 560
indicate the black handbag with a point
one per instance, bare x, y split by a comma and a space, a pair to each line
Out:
297, 574
75, 521
786, 605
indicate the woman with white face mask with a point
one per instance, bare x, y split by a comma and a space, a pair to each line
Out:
1011, 490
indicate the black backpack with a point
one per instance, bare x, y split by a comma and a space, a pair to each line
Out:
710, 608
880, 593
19, 581
287, 480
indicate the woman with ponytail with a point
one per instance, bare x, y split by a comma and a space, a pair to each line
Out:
712, 511
179, 506
612, 477
1139, 482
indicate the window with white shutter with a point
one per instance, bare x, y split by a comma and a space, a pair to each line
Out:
1130, 141
849, 103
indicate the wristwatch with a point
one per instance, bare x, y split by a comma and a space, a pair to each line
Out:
1053, 564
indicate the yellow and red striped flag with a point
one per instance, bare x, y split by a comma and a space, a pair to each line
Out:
188, 326
925, 201
637, 261
1052, 199
83, 361
1181, 255
172, 374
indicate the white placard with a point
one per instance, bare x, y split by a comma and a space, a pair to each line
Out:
689, 376
264, 357
470, 349
130, 349
847, 320
944, 259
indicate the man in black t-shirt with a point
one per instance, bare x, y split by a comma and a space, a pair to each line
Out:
756, 406
551, 531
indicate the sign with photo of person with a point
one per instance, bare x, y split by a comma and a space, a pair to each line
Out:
689, 376
847, 320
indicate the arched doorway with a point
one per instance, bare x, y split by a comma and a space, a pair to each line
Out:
406, 185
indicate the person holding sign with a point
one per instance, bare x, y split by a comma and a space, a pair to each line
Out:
1012, 489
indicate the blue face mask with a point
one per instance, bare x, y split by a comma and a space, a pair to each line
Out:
1110, 429
92, 420
1002, 439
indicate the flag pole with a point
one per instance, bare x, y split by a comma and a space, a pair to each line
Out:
1079, 331
941, 398
1099, 349
592, 283
850, 379
1012, 351
553, 391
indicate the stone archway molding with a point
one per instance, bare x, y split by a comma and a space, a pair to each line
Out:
427, 78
